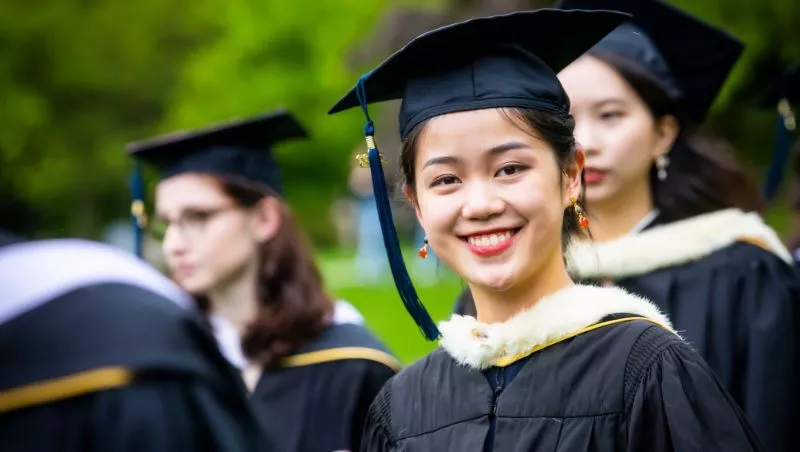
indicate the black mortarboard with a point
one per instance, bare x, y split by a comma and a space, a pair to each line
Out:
239, 148
500, 61
492, 62
689, 58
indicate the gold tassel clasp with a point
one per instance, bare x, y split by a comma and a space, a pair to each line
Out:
138, 212
363, 159
785, 110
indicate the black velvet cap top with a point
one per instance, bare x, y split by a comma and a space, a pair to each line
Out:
501, 61
240, 148
689, 58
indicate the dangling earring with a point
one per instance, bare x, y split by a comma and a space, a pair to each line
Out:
423, 251
662, 162
583, 222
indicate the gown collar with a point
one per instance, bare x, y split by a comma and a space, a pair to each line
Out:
645, 222
671, 244
230, 342
576, 307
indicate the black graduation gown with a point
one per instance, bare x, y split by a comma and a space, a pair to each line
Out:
114, 366
317, 401
737, 305
629, 386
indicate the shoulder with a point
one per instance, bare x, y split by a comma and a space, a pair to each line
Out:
344, 343
432, 379
647, 351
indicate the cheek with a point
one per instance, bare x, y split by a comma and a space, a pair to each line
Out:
228, 246
438, 215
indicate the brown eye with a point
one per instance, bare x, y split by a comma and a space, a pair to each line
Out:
196, 217
510, 170
444, 180
610, 115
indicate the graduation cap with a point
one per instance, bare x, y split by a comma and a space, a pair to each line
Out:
239, 148
502, 61
786, 95
689, 58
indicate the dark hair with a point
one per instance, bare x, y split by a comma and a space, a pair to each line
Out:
294, 307
555, 129
703, 174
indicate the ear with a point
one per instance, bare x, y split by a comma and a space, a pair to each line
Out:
412, 198
572, 181
667, 130
266, 219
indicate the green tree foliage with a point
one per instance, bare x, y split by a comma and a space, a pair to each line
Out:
77, 80
274, 53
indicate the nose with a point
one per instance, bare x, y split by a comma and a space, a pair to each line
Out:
174, 243
482, 201
587, 139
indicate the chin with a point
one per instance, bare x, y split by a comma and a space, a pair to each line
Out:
194, 284
598, 193
494, 280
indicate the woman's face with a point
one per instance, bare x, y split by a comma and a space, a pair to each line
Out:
490, 197
209, 241
615, 129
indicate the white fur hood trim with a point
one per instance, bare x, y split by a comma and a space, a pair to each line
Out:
554, 316
671, 244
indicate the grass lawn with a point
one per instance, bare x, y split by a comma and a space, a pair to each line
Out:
381, 306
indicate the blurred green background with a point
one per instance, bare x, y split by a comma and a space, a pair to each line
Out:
80, 79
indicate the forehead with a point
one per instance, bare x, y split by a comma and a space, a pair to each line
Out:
476, 130
188, 190
590, 80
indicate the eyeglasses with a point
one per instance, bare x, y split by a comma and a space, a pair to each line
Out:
191, 223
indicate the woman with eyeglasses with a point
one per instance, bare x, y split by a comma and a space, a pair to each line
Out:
490, 165
231, 241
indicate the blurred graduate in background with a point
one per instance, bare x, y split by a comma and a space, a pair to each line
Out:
231, 241
100, 352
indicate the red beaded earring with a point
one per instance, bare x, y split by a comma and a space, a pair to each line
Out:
423, 251
583, 222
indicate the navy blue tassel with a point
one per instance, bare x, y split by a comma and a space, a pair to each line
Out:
784, 128
138, 218
402, 280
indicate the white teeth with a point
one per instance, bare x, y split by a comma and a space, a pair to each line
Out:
489, 239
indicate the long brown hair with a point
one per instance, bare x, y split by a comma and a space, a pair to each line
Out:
294, 308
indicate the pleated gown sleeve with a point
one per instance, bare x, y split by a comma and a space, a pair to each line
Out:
675, 403
739, 309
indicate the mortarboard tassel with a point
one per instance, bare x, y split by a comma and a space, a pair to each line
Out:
785, 125
138, 216
400, 274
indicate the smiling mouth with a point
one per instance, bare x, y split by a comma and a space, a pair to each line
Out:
490, 243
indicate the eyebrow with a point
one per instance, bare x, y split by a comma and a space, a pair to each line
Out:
611, 100
499, 149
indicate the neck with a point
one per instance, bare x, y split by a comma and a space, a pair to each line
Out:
237, 300
616, 217
498, 306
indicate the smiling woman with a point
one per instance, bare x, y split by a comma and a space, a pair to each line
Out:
491, 168
484, 196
